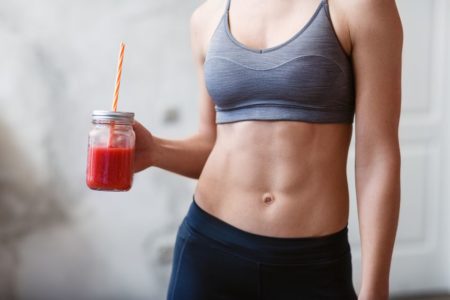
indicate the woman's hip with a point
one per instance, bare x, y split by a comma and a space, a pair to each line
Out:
215, 260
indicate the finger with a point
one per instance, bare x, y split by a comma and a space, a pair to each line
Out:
137, 124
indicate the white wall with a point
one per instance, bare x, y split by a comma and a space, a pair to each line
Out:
57, 63
446, 177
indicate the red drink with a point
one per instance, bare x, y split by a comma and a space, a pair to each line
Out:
111, 151
110, 168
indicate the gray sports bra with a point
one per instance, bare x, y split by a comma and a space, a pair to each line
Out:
307, 78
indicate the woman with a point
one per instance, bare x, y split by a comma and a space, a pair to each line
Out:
281, 82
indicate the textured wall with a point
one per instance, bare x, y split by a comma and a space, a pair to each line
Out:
58, 239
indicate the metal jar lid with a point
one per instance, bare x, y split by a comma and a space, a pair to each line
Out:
126, 117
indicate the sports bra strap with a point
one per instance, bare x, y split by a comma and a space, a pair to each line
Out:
228, 5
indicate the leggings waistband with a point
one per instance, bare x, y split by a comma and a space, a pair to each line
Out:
208, 227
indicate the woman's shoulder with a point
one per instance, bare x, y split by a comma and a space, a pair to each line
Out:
204, 20
364, 19
362, 12
207, 11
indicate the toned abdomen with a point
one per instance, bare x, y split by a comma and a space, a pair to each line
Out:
278, 178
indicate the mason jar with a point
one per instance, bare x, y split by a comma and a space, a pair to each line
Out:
110, 161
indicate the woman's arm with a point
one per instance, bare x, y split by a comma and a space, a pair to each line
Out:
184, 156
187, 156
377, 41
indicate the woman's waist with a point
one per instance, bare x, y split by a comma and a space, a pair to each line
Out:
204, 226
311, 211
275, 193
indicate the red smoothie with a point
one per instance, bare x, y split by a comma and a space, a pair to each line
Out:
110, 168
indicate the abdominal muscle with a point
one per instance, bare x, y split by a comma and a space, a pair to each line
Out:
278, 178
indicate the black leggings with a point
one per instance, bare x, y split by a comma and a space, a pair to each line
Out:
214, 260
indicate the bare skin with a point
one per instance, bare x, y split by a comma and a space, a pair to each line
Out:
275, 178
288, 178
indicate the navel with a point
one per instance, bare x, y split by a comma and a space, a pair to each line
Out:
268, 198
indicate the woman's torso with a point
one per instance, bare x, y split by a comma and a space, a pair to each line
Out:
277, 178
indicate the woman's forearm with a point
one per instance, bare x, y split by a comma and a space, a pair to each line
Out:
378, 198
184, 157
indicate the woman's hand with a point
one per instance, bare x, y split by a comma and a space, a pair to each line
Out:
144, 148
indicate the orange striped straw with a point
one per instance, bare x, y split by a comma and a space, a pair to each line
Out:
119, 75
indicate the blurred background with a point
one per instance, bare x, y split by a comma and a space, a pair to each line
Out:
60, 240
